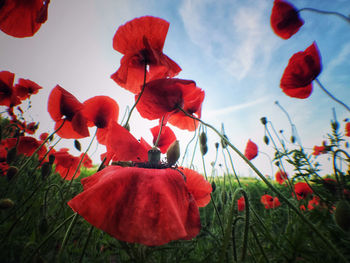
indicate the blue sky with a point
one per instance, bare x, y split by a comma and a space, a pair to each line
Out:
226, 46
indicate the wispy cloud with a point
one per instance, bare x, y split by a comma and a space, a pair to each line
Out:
343, 56
237, 36
234, 108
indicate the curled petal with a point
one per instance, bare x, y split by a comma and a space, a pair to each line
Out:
251, 150
137, 205
303, 67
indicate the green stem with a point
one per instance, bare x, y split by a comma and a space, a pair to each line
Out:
160, 132
330, 95
68, 232
85, 245
50, 235
139, 97
281, 196
259, 244
347, 19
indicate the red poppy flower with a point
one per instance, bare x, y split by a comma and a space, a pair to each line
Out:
87, 162
319, 150
162, 97
285, 20
63, 104
20, 18
138, 205
303, 67
8, 96
251, 150
43, 136
25, 88
3, 168
281, 176
197, 186
302, 190
167, 137
26, 145
31, 127
122, 146
347, 129
100, 111
270, 202
241, 204
141, 40
315, 201
66, 164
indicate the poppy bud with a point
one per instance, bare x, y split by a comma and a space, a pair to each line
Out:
263, 120
154, 156
266, 140
11, 172
77, 145
43, 226
173, 153
342, 215
213, 186
292, 139
335, 125
11, 155
216, 145
6, 203
51, 158
45, 170
223, 141
50, 138
203, 138
277, 163
204, 149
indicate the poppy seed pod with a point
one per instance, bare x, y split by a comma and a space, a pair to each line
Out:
342, 215
154, 156
6, 203
217, 145
173, 153
292, 139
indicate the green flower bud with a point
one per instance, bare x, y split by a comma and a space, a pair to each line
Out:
203, 138
266, 140
173, 153
6, 203
77, 145
263, 120
204, 149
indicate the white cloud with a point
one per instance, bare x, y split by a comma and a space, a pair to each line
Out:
237, 36
343, 56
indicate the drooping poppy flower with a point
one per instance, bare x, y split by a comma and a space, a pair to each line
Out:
285, 19
122, 146
251, 150
87, 162
64, 107
138, 205
20, 18
66, 164
347, 129
302, 190
100, 111
167, 137
162, 97
141, 41
25, 88
241, 204
270, 202
303, 67
197, 186
8, 96
281, 176
26, 145
319, 150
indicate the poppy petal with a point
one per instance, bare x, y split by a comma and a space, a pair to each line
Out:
147, 206
251, 150
167, 137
